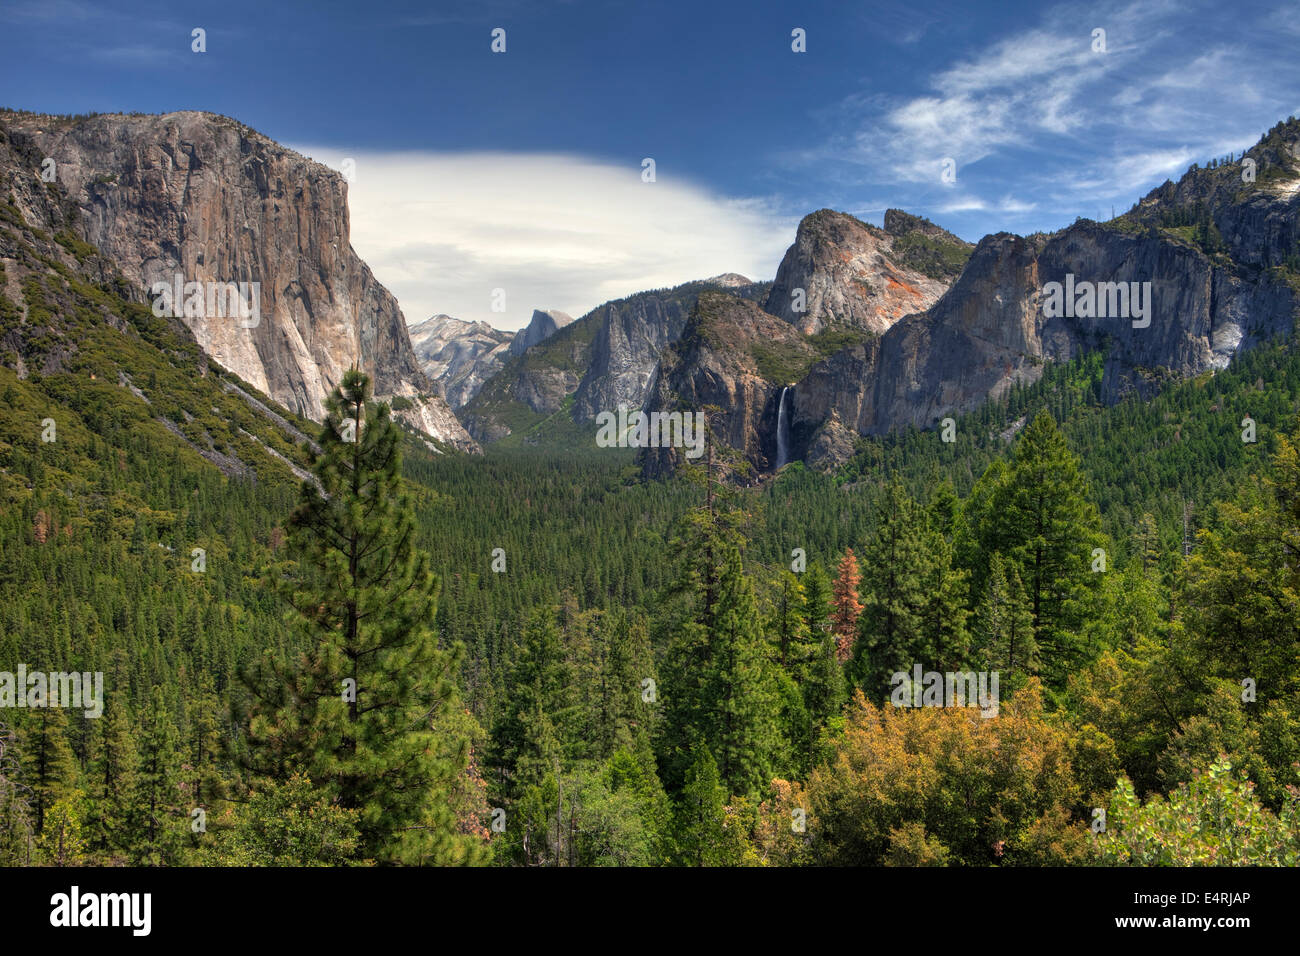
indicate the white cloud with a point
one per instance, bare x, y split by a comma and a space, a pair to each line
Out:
1007, 205
1039, 115
442, 231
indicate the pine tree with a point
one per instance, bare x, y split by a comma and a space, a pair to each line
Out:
824, 690
16, 831
526, 755
1043, 522
628, 703
112, 780
159, 820
526, 745
204, 783
700, 815
721, 689
891, 625
354, 711
789, 623
914, 610
52, 769
1147, 540
817, 600
1004, 627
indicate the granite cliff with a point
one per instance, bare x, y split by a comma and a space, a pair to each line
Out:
203, 197
1195, 273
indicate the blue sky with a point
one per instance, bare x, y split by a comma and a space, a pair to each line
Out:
522, 170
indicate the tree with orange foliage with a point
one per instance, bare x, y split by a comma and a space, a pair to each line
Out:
844, 617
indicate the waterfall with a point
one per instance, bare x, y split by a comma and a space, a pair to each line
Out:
782, 432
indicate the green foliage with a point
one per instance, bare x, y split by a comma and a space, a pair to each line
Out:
354, 711
933, 256
1215, 820
289, 823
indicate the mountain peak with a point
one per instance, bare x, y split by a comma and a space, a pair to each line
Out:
842, 270
543, 324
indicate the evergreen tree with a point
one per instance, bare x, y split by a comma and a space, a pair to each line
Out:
159, 822
354, 712
527, 748
816, 600
204, 780
824, 691
112, 780
16, 831
892, 625
700, 818
721, 689
1041, 520
525, 742
1004, 627
52, 769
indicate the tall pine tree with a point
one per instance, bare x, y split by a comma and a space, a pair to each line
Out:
354, 710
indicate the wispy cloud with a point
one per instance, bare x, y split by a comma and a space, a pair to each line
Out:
442, 231
1041, 122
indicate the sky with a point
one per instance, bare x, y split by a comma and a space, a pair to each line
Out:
473, 171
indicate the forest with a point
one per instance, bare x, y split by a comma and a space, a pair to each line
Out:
537, 657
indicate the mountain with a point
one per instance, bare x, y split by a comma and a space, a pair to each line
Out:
730, 355
99, 397
1158, 291
458, 356
844, 271
540, 327
602, 359
202, 197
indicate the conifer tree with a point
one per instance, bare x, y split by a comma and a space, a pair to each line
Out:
700, 815
1004, 627
204, 745
52, 770
1044, 522
721, 688
816, 600
526, 745
354, 709
16, 830
824, 690
112, 779
159, 820
914, 610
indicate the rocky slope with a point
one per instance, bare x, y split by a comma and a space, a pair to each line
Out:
606, 357
543, 324
841, 270
81, 348
724, 361
458, 356
202, 196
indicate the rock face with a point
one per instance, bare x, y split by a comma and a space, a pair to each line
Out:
1216, 258
990, 331
540, 327
719, 362
204, 197
846, 271
605, 358
458, 356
